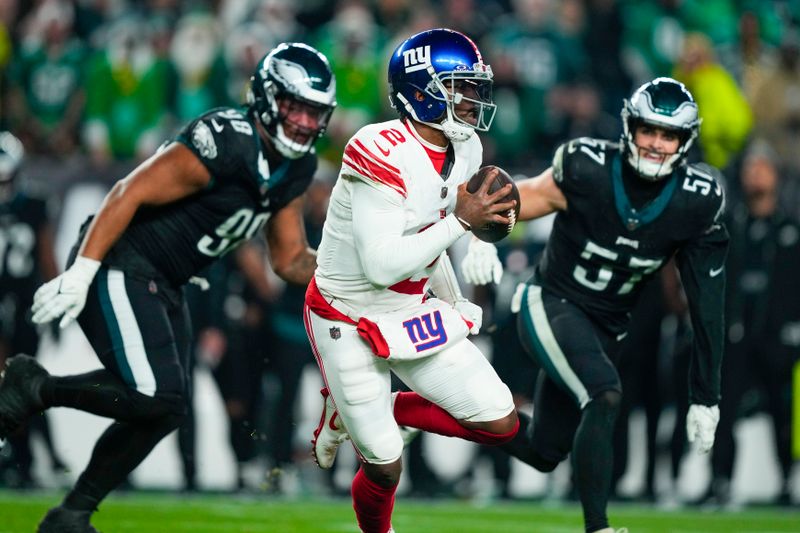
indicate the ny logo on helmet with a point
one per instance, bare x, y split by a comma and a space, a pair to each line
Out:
417, 58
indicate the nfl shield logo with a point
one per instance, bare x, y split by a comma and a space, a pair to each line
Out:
335, 333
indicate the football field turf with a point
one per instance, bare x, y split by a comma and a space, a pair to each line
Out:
168, 513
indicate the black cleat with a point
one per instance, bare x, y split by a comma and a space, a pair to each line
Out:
62, 520
19, 392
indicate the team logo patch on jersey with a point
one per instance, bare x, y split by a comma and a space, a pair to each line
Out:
203, 140
335, 332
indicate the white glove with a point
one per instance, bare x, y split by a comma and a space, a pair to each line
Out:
472, 312
66, 294
481, 266
701, 424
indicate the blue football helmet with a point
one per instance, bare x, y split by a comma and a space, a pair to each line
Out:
429, 74
664, 103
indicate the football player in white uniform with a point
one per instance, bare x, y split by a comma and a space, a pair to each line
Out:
399, 203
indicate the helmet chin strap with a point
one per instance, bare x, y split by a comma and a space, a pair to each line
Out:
456, 132
452, 130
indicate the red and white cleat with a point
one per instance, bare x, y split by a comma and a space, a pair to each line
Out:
329, 434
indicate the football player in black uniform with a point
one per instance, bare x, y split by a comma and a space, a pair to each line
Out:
227, 174
26, 260
623, 211
26, 251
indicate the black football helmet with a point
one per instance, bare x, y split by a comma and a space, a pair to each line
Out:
664, 103
301, 77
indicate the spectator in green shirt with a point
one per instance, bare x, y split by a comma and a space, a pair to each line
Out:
126, 89
46, 94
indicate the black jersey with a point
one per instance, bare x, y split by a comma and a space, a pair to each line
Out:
601, 248
21, 220
247, 186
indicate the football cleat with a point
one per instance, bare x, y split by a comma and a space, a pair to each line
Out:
19, 392
328, 436
62, 520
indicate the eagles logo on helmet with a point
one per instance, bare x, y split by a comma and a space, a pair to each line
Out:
427, 73
293, 93
663, 103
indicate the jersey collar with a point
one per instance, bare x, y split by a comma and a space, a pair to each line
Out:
429, 146
634, 218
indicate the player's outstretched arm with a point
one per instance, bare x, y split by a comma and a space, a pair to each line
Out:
292, 258
701, 263
168, 176
540, 196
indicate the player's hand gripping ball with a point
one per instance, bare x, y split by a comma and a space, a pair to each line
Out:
493, 231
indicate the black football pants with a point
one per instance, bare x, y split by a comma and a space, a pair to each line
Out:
142, 340
576, 400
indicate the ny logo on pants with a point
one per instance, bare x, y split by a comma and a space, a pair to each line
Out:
426, 331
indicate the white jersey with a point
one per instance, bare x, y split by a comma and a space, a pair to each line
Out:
389, 219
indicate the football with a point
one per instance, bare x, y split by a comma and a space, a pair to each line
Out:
492, 231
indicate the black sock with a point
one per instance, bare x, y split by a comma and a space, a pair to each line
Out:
119, 450
99, 392
83, 497
593, 457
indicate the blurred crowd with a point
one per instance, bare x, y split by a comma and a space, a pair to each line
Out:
91, 87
